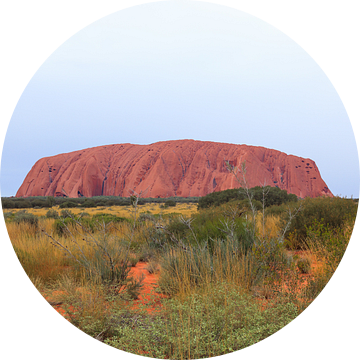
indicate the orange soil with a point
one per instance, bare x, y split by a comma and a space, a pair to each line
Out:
147, 292
149, 297
303, 280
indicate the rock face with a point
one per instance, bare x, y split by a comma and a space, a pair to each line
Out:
170, 168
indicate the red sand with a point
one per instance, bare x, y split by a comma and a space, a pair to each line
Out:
147, 291
149, 297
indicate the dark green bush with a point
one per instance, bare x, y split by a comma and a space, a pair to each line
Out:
331, 212
207, 225
68, 204
273, 196
7, 204
170, 202
107, 218
89, 203
22, 204
50, 201
39, 203
281, 210
52, 214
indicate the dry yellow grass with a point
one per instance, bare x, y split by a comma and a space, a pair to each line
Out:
41, 260
122, 211
38, 257
271, 226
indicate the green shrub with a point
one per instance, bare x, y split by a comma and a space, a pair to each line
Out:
39, 203
50, 201
8, 215
107, 218
68, 204
281, 210
170, 203
331, 212
89, 203
23, 217
22, 204
7, 203
274, 196
60, 226
52, 214
201, 326
67, 214
207, 225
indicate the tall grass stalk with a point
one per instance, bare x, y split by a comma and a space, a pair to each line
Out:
184, 271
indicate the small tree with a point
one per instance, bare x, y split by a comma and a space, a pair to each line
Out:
267, 251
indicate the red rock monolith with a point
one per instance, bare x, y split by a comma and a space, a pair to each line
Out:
169, 168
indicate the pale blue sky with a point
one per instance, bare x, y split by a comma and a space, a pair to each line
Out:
181, 70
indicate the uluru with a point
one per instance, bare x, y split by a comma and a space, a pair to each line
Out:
182, 168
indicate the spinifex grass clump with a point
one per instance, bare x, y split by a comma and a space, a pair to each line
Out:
182, 271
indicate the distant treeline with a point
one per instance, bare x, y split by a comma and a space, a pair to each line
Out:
83, 202
272, 197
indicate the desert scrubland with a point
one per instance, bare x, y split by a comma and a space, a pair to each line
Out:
183, 280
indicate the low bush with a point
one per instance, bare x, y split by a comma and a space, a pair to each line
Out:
89, 203
8, 215
204, 227
168, 203
66, 214
202, 326
39, 203
333, 213
274, 196
107, 218
68, 204
24, 217
63, 226
52, 214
